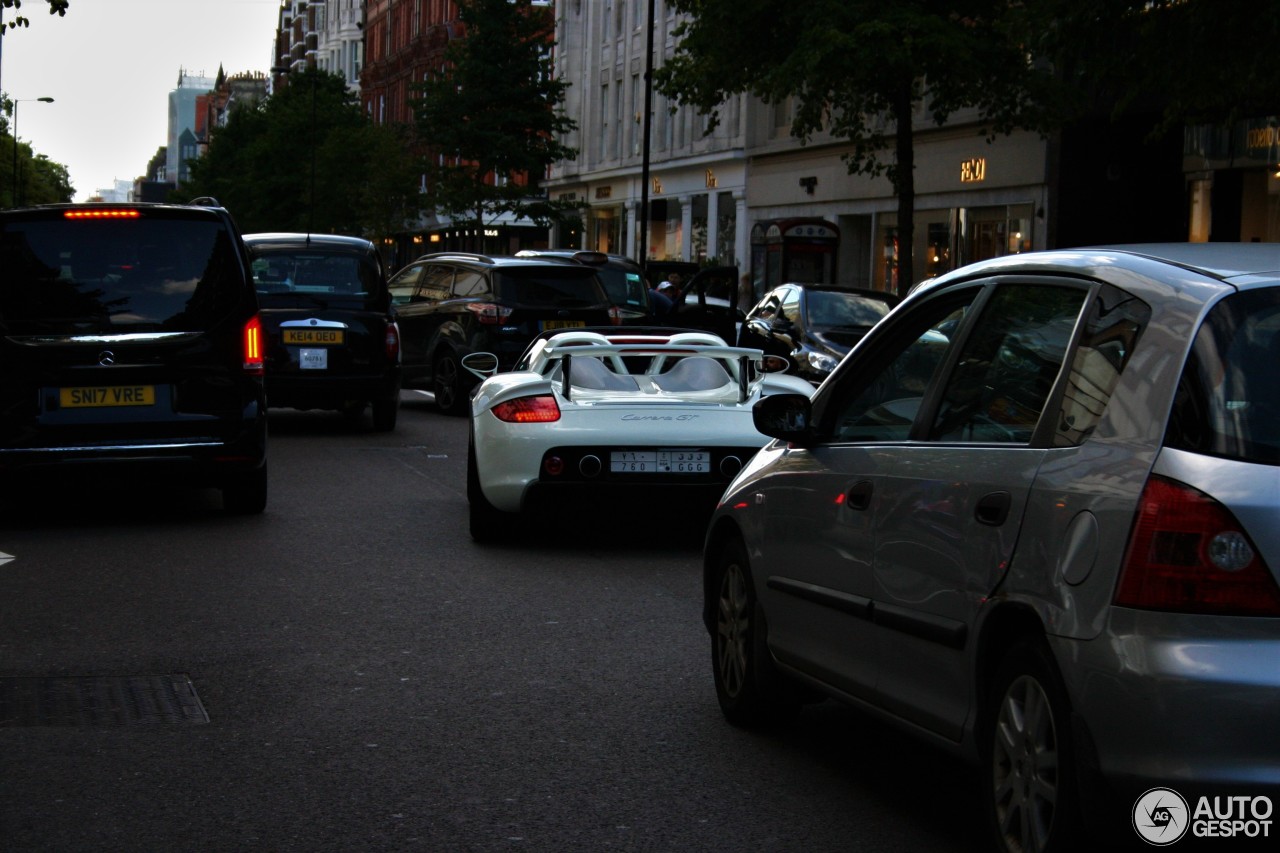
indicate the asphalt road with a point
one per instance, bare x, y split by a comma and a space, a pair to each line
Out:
373, 680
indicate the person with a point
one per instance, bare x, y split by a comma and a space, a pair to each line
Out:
672, 287
661, 301
746, 295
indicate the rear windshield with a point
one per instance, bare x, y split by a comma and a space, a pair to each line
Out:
286, 276
624, 286
1228, 402
550, 287
116, 276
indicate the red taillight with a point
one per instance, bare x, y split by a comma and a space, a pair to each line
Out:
392, 343
253, 345
615, 315
489, 313
1187, 553
528, 410
101, 213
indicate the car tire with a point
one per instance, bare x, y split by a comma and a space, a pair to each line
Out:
487, 522
446, 382
246, 494
1029, 765
385, 413
752, 692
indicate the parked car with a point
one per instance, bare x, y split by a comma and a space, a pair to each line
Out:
649, 415
451, 304
622, 278
1050, 546
708, 301
330, 339
813, 325
130, 345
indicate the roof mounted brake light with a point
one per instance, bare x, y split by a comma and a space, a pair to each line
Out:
102, 213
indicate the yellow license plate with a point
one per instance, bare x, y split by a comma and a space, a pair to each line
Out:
562, 324
107, 395
313, 337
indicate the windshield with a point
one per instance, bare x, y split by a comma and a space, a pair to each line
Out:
832, 308
1228, 402
115, 276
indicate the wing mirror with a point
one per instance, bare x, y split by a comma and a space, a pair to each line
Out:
788, 417
481, 364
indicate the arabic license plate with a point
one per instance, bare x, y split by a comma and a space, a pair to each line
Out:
313, 359
660, 462
562, 324
105, 396
313, 337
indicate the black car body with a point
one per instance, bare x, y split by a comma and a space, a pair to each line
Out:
708, 302
813, 325
130, 344
452, 304
331, 340
623, 281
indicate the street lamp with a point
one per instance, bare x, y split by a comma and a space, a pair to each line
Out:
13, 113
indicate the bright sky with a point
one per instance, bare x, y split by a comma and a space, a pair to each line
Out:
110, 65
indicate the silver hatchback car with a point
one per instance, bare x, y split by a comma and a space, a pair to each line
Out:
1034, 516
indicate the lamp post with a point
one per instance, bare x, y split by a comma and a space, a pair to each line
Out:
13, 113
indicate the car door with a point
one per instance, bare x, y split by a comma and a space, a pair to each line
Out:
947, 505
820, 505
709, 302
417, 292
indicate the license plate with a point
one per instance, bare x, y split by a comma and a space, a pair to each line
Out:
562, 324
313, 337
660, 462
313, 359
106, 396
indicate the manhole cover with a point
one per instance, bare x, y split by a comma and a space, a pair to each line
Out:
99, 701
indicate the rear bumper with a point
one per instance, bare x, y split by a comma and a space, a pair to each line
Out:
298, 391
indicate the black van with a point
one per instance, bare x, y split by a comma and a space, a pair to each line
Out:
130, 344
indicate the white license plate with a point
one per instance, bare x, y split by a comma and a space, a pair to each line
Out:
313, 358
660, 462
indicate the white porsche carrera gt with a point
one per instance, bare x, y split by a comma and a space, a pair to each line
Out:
602, 415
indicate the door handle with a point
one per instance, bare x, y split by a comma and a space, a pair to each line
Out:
859, 495
993, 508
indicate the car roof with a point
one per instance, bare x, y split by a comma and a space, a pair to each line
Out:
838, 288
286, 238
577, 255
497, 260
1220, 260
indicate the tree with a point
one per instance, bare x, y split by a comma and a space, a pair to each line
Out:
56, 7
857, 69
307, 159
490, 117
28, 177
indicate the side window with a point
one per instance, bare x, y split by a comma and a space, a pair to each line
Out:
1112, 328
1008, 366
468, 284
790, 310
885, 398
767, 308
437, 283
404, 284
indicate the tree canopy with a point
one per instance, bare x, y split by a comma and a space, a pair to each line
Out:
307, 159
489, 119
56, 7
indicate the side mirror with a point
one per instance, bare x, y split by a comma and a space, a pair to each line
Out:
481, 364
785, 416
774, 364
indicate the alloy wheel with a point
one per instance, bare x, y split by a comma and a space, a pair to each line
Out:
1025, 766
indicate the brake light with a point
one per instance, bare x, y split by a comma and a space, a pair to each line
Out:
1188, 554
392, 343
489, 313
615, 315
101, 213
541, 409
253, 346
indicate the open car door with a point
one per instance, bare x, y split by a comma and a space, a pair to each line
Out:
709, 303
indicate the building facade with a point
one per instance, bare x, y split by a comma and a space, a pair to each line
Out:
185, 124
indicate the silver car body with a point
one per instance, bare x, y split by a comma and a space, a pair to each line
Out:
903, 605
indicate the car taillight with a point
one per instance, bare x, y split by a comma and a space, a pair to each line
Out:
392, 343
253, 346
615, 315
1187, 553
489, 313
528, 410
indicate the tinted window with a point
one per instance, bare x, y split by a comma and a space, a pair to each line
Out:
404, 284
1228, 401
549, 287
468, 284
279, 274
829, 308
624, 286
116, 276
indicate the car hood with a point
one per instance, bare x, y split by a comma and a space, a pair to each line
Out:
838, 339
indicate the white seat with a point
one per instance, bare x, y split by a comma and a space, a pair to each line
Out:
695, 373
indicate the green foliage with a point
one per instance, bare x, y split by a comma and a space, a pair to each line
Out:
493, 111
307, 159
56, 7
39, 180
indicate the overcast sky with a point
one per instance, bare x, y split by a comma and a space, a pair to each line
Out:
110, 65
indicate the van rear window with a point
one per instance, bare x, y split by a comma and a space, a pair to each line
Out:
76, 277
551, 287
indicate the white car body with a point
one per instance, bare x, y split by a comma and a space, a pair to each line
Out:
637, 411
